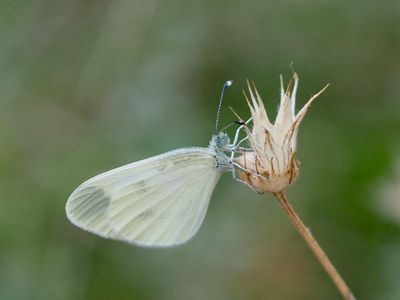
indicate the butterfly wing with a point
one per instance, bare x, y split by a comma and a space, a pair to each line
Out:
158, 202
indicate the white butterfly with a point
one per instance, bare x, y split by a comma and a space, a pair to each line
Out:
157, 202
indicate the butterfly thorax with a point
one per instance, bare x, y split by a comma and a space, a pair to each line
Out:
217, 145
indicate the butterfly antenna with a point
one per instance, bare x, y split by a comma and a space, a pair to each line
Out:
227, 84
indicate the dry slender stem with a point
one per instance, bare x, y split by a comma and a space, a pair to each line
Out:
315, 248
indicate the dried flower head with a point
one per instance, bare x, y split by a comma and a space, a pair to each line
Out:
271, 165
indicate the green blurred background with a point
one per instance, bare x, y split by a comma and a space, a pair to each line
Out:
86, 86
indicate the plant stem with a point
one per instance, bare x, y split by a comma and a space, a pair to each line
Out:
315, 248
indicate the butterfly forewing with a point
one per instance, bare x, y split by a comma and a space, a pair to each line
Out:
160, 201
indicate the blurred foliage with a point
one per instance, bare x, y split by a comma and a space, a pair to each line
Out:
86, 86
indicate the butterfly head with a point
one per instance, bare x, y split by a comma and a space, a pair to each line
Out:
220, 140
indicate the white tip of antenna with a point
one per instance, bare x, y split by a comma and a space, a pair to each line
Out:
229, 83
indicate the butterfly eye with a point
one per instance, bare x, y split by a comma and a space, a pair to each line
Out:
222, 139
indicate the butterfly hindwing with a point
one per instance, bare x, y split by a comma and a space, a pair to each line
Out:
159, 201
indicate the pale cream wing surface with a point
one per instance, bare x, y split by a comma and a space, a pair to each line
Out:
160, 201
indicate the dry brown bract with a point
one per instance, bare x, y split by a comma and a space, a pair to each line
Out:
272, 166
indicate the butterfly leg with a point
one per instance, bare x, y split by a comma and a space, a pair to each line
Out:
236, 147
234, 175
237, 133
232, 147
243, 149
